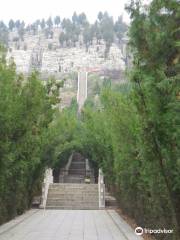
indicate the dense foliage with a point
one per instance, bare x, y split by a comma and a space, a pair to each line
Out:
156, 88
135, 136
25, 114
133, 132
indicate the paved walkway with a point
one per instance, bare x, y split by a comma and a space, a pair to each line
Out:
82, 89
68, 225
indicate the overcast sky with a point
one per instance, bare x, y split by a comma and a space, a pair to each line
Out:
30, 10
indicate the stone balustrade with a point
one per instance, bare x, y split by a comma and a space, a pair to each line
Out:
48, 179
101, 187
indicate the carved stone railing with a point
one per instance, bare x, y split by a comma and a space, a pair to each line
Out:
101, 188
69, 163
48, 179
65, 171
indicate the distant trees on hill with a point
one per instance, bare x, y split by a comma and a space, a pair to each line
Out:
49, 22
104, 28
120, 28
3, 33
11, 25
42, 24
57, 20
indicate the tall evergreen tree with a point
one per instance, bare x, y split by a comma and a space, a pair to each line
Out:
11, 25
57, 20
49, 22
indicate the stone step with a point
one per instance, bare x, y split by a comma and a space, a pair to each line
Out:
87, 186
78, 207
70, 179
72, 191
75, 175
78, 161
83, 170
77, 171
74, 198
75, 202
71, 195
71, 203
73, 207
78, 164
76, 180
74, 186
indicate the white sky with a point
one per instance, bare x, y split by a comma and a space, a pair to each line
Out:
30, 10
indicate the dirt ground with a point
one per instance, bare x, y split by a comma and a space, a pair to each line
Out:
133, 224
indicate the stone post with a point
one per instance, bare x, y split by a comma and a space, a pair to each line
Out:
48, 179
101, 188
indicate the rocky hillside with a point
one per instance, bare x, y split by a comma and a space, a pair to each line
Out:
48, 56
63, 48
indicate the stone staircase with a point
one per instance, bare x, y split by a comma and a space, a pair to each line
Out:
72, 196
77, 171
76, 188
77, 168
